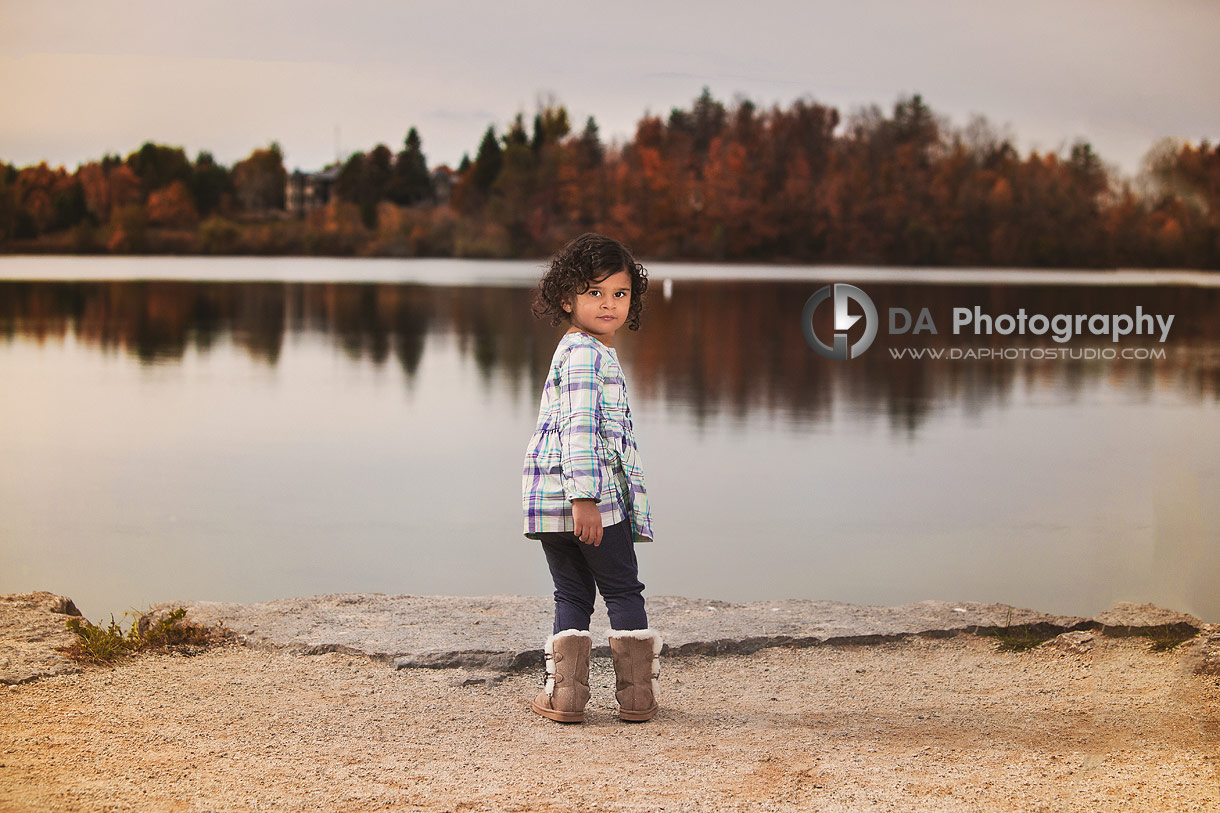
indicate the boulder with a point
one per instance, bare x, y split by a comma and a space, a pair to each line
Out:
1077, 642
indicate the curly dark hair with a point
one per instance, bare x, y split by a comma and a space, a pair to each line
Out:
587, 259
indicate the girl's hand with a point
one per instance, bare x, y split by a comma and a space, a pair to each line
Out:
588, 521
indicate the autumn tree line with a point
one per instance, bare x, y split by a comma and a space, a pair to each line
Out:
714, 182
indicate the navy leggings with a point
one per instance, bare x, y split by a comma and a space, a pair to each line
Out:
579, 570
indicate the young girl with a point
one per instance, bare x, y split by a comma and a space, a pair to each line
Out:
583, 488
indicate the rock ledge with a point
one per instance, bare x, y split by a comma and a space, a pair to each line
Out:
31, 631
506, 633
500, 634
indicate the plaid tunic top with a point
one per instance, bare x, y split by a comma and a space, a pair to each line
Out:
584, 445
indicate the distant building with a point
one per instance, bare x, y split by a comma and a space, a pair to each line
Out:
307, 191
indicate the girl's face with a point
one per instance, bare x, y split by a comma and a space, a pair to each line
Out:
602, 309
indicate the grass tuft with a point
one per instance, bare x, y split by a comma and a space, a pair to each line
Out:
171, 632
1022, 637
1165, 639
96, 644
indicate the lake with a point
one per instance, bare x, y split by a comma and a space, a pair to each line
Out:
243, 429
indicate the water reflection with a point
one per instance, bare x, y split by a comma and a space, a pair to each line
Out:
714, 348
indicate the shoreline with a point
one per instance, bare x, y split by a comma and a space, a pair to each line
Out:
398, 269
504, 634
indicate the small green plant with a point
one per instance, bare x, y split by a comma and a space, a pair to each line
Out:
1163, 639
1020, 638
95, 644
172, 630
110, 644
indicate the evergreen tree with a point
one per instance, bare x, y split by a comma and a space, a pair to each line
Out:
364, 180
550, 125
516, 134
347, 185
539, 134
703, 123
488, 160
590, 146
1087, 169
378, 169
209, 183
411, 182
157, 166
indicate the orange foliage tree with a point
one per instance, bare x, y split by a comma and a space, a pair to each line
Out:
708, 182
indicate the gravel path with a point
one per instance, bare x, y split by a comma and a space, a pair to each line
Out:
945, 724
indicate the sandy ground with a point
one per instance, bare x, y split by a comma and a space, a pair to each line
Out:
920, 724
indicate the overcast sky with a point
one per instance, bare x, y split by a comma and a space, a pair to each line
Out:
80, 79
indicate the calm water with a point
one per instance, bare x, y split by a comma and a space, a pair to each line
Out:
247, 429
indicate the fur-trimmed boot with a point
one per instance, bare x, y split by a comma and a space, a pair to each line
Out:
637, 664
567, 676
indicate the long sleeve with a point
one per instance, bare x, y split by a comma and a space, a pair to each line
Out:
580, 387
